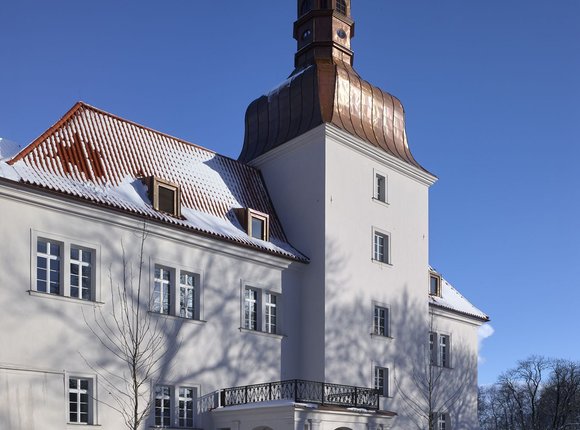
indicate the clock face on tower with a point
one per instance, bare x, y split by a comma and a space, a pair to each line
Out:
341, 33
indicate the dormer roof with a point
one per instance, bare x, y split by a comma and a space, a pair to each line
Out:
101, 158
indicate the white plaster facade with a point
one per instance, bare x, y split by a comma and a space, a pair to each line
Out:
326, 306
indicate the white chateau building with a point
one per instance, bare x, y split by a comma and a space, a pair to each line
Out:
287, 290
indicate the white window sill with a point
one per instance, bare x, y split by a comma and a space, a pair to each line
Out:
262, 333
380, 336
66, 299
384, 203
82, 425
175, 317
381, 263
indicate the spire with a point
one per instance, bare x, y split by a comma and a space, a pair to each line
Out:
324, 88
323, 31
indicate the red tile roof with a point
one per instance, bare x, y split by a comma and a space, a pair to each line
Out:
94, 155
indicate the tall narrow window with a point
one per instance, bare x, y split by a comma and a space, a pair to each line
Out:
443, 350
382, 380
271, 313
341, 6
305, 7
258, 228
380, 188
185, 407
79, 400
48, 266
442, 422
80, 273
161, 290
187, 295
381, 247
380, 321
250, 309
162, 405
432, 338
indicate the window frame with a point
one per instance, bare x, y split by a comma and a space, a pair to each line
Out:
387, 329
175, 285
92, 397
174, 404
439, 357
66, 243
387, 260
261, 309
375, 197
385, 391
265, 218
156, 183
342, 7
437, 278
441, 421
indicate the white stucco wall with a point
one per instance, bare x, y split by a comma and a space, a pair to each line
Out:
43, 336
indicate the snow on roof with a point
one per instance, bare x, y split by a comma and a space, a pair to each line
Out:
102, 158
8, 149
453, 300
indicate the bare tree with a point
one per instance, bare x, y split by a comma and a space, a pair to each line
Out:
136, 340
429, 392
538, 394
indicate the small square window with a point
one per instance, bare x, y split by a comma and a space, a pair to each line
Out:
165, 196
434, 285
257, 224
381, 247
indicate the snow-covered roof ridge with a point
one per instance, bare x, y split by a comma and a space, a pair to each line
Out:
102, 158
453, 300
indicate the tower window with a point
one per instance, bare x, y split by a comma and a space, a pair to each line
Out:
305, 7
341, 6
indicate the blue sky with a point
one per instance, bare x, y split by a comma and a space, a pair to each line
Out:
491, 91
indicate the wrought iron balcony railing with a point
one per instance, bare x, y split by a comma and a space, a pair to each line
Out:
300, 391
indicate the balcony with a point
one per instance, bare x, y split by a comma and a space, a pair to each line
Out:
298, 391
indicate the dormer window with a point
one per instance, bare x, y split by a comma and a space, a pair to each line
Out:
434, 284
165, 196
257, 223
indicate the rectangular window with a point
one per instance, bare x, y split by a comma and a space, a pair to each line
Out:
161, 290
380, 187
79, 400
434, 285
165, 196
440, 421
162, 405
432, 338
271, 312
381, 247
80, 273
381, 382
185, 407
250, 309
443, 350
48, 269
381, 321
187, 295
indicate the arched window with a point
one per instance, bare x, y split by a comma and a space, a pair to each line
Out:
305, 7
341, 6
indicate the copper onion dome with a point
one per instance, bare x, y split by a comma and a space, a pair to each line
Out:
324, 88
